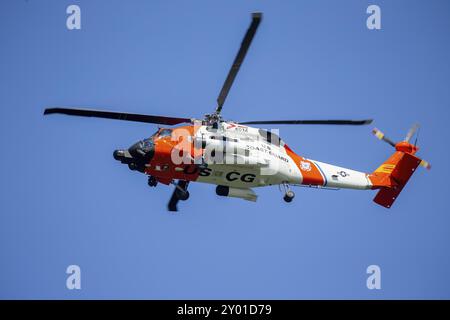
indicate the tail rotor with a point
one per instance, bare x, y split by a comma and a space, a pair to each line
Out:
380, 135
411, 132
404, 145
394, 173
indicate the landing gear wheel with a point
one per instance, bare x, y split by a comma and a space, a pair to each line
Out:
152, 182
182, 195
203, 166
289, 196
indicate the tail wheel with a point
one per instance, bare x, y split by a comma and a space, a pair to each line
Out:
289, 196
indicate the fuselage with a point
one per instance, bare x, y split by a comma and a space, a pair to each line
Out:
236, 156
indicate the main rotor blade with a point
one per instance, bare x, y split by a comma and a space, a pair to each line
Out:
411, 132
256, 19
332, 122
117, 115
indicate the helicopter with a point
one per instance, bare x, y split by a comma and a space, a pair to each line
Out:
237, 157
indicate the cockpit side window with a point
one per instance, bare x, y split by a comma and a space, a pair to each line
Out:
165, 133
149, 141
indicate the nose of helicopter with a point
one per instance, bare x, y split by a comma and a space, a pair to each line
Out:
122, 155
137, 156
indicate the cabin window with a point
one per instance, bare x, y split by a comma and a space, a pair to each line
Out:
270, 137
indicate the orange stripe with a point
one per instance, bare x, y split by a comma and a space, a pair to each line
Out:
310, 172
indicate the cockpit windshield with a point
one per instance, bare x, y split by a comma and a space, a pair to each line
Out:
148, 143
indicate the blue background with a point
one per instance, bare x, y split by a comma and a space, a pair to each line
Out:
64, 200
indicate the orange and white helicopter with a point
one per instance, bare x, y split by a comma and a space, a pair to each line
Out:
237, 157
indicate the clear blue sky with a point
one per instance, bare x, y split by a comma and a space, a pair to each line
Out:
65, 200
